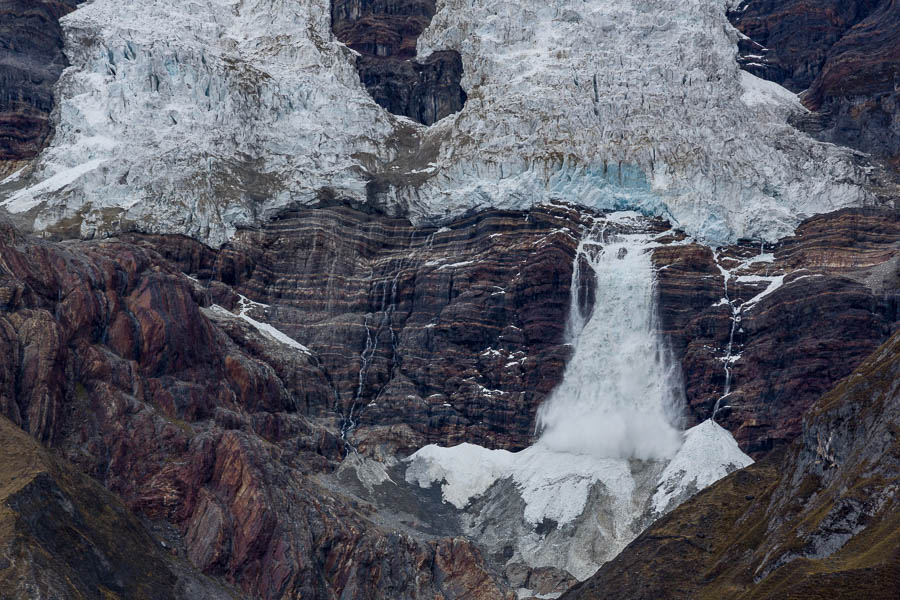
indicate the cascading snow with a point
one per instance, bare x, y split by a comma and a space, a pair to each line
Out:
611, 456
620, 395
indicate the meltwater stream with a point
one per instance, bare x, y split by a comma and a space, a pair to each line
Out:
620, 395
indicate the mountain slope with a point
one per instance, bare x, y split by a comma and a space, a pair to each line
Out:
62, 535
824, 515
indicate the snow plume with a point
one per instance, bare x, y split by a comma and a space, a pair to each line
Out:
621, 395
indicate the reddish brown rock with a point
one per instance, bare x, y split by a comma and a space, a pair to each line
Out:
141, 376
846, 54
838, 302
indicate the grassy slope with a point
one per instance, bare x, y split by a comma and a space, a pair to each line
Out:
62, 535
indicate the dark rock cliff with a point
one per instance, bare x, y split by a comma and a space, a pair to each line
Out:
837, 302
384, 32
846, 54
31, 60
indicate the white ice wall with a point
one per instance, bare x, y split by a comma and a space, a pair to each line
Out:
198, 116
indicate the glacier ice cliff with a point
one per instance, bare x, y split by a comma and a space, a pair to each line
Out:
199, 117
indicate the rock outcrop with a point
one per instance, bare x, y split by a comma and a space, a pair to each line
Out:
427, 335
788, 41
62, 535
31, 60
789, 322
845, 54
821, 516
384, 33
204, 422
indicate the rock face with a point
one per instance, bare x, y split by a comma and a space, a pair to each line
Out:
427, 335
216, 391
789, 40
384, 32
797, 317
31, 60
822, 516
202, 421
457, 334
844, 53
62, 535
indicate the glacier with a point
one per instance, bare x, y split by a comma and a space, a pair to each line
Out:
203, 116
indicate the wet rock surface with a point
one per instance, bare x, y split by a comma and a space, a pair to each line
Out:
384, 33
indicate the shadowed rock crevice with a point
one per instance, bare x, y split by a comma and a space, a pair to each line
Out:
384, 32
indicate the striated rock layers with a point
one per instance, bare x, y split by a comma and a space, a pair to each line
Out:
216, 391
208, 425
384, 33
846, 54
764, 332
427, 335
822, 516
31, 60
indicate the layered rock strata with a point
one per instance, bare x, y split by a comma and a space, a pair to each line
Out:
384, 33
762, 332
31, 60
427, 335
217, 390
458, 334
204, 422
821, 516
